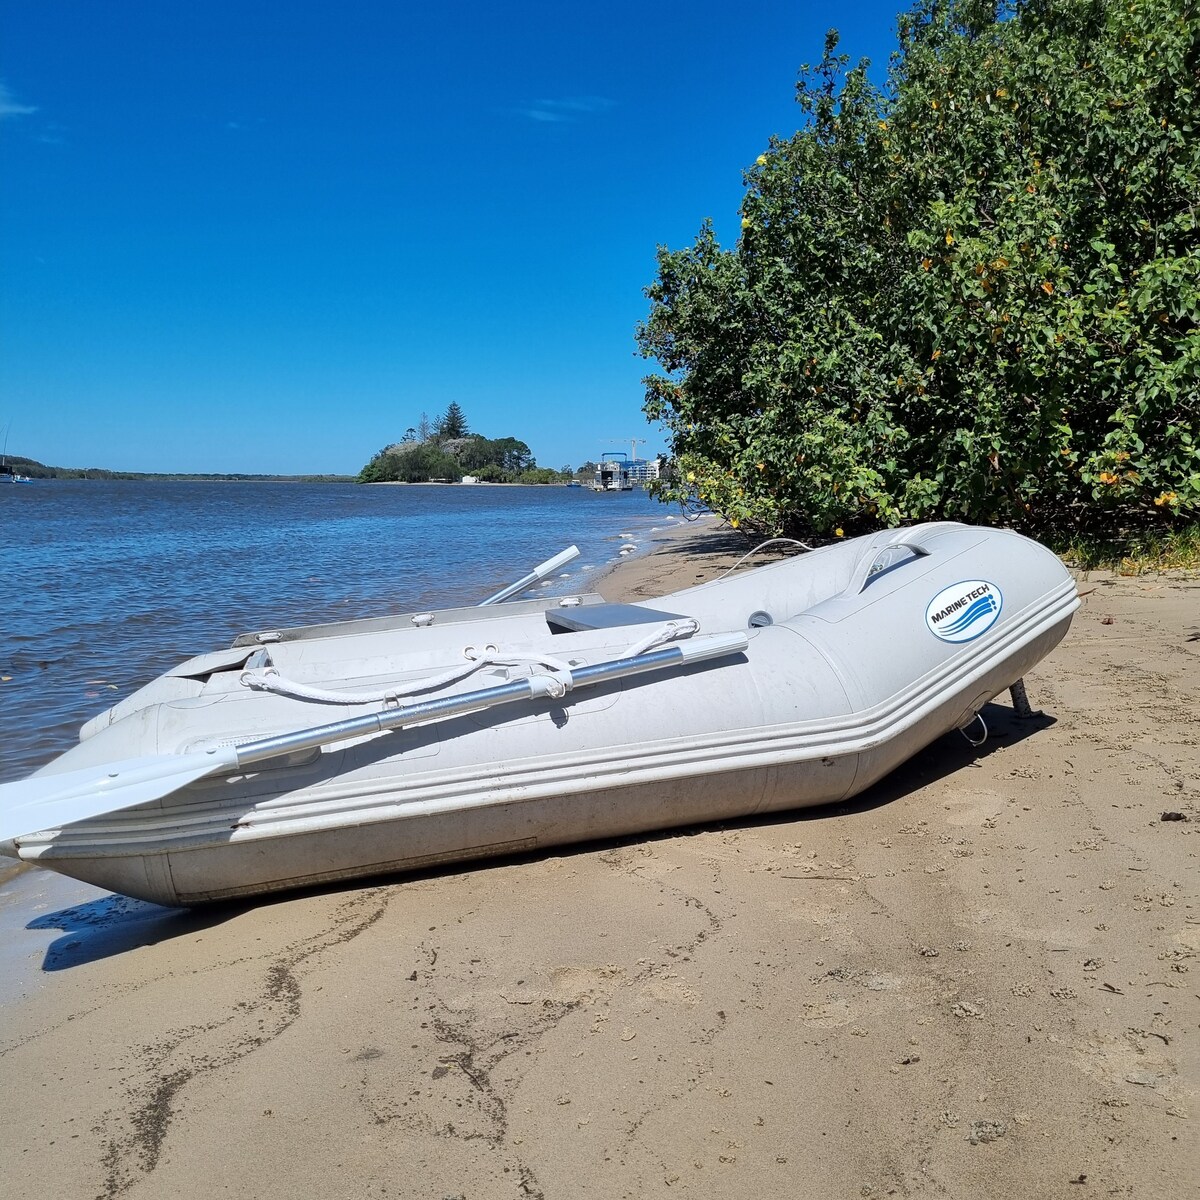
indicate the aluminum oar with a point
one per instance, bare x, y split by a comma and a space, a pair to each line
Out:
52, 801
539, 572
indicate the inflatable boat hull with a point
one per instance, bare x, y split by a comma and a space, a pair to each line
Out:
856, 656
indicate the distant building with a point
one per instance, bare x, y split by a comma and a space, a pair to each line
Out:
616, 472
643, 470
612, 474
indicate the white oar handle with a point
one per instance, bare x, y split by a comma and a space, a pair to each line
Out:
539, 572
559, 560
716, 645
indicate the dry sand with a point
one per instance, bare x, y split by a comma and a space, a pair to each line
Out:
980, 980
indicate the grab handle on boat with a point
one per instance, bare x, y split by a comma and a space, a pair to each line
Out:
909, 539
539, 572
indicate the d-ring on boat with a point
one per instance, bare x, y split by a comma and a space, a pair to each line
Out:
471, 732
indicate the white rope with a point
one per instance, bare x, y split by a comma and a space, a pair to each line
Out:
557, 670
269, 679
983, 724
763, 546
665, 633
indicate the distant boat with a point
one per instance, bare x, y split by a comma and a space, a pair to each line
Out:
8, 473
574, 483
613, 474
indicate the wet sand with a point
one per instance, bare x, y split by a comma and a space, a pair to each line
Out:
979, 980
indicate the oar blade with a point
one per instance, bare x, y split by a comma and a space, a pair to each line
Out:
52, 801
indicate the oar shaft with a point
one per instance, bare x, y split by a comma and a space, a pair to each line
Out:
378, 722
53, 801
696, 650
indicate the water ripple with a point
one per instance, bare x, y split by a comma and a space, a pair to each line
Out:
107, 584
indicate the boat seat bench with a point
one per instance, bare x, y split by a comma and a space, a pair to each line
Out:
605, 616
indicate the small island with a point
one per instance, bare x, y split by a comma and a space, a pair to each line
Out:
446, 451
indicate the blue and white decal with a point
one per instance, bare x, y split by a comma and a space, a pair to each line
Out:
964, 611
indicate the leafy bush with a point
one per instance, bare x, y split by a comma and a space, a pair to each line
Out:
974, 295
508, 455
417, 463
540, 475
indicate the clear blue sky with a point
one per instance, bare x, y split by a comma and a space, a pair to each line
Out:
266, 237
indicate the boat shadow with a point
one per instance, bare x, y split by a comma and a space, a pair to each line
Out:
113, 925
948, 755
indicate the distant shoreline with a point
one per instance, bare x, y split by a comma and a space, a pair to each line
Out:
71, 476
458, 483
130, 477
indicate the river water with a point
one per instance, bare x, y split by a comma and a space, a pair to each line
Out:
105, 585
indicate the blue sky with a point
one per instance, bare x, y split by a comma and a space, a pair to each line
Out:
265, 238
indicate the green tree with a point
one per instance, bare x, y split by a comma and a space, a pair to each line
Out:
476, 453
453, 423
973, 295
514, 455
509, 456
423, 463
418, 462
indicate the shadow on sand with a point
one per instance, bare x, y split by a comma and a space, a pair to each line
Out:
115, 924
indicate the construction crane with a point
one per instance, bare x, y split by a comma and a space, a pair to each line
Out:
634, 443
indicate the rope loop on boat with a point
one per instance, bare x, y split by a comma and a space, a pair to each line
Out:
555, 670
269, 680
982, 724
762, 546
669, 632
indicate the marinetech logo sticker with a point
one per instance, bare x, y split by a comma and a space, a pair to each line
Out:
963, 611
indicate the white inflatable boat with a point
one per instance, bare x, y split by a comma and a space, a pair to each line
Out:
307, 755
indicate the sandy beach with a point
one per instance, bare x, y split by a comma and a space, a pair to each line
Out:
979, 980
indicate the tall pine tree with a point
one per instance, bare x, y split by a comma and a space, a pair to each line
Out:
453, 423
